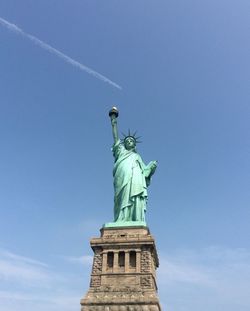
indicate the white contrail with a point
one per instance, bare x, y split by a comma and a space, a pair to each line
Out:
52, 50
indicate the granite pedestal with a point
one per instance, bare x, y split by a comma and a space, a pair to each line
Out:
123, 276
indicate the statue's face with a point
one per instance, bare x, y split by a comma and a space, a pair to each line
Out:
129, 143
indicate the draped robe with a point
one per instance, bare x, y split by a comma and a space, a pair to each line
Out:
131, 178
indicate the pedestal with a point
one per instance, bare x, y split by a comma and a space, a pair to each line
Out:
123, 276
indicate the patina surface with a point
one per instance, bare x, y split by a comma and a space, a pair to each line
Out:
131, 178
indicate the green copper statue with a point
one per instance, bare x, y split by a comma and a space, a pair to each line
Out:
131, 177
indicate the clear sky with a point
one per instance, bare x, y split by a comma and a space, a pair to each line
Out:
184, 72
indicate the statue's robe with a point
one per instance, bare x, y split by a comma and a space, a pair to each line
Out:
131, 178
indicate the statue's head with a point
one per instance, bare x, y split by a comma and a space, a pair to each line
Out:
130, 141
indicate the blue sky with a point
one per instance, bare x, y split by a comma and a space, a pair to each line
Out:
183, 68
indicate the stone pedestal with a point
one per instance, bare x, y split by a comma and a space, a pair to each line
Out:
123, 276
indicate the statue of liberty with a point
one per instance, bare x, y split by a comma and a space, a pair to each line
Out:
131, 177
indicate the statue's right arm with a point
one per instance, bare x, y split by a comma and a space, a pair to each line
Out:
114, 129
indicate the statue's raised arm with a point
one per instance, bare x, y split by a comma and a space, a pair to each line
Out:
131, 178
113, 113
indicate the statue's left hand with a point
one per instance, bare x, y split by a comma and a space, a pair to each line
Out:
149, 171
153, 166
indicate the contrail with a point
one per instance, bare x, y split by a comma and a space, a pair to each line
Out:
45, 46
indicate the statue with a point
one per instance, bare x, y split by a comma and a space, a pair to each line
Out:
131, 177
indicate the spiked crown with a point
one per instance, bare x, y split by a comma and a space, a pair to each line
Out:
130, 135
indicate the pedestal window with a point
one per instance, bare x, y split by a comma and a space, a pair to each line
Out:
132, 260
110, 260
121, 261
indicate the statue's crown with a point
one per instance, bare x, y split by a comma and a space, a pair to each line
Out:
130, 135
